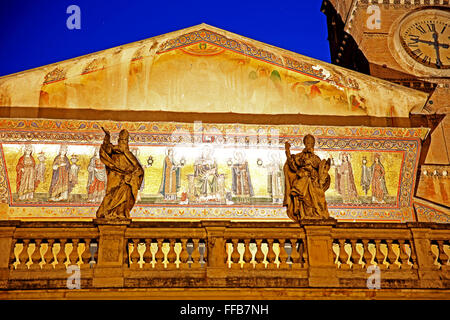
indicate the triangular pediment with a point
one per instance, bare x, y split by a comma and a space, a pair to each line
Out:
206, 69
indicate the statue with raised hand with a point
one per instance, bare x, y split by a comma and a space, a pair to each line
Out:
306, 180
124, 177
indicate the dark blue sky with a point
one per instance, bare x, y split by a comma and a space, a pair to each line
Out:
33, 33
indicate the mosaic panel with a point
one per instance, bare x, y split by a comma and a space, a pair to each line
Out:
51, 169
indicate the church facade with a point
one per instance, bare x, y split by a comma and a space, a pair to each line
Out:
209, 113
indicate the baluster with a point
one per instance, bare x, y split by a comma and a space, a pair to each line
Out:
135, 256
36, 256
235, 254
49, 256
94, 253
74, 256
343, 256
397, 252
442, 255
435, 251
241, 250
12, 254
205, 251
373, 252
384, 251
348, 251
360, 249
159, 256
259, 256
195, 256
61, 255
368, 257
228, 251
247, 255
23, 256
336, 250
147, 256
86, 255
271, 255
404, 256
413, 255
184, 255
171, 255
447, 252
295, 255
379, 255
283, 255
202, 250
391, 256
153, 251
355, 256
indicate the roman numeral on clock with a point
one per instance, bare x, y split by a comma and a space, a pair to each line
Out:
443, 29
414, 40
426, 60
417, 52
431, 27
421, 29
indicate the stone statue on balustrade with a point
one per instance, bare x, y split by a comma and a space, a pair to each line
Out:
124, 178
306, 180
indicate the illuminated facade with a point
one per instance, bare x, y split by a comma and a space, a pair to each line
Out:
208, 113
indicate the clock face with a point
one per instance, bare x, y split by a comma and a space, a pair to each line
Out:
425, 40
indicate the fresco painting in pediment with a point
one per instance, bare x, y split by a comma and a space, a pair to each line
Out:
53, 91
199, 75
137, 75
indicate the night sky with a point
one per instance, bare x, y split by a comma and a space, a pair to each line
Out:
33, 33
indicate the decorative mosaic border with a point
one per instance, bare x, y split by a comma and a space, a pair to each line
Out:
4, 188
161, 213
70, 129
196, 213
379, 215
428, 214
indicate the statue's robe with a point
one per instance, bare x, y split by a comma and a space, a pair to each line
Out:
305, 186
124, 178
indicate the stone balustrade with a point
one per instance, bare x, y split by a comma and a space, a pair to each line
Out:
271, 249
37, 254
215, 254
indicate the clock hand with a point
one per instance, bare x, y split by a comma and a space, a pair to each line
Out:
436, 47
431, 43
